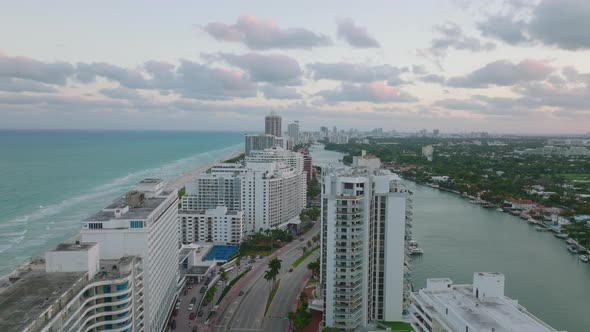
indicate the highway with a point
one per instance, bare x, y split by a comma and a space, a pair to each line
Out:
246, 312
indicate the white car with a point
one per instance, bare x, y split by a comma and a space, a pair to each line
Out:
190, 307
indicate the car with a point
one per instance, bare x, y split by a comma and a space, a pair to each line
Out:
241, 293
175, 313
190, 287
194, 329
177, 306
173, 325
191, 316
185, 291
200, 314
291, 270
193, 300
202, 289
190, 307
219, 283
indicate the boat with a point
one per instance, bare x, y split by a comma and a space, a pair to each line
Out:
560, 235
416, 251
499, 210
412, 243
488, 206
570, 241
524, 216
573, 249
532, 221
584, 258
541, 229
514, 212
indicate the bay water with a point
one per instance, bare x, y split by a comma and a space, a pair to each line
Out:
460, 238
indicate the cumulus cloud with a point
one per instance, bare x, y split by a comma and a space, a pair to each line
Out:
261, 34
280, 92
20, 85
452, 36
503, 73
273, 68
419, 69
564, 24
376, 92
29, 69
87, 73
354, 35
353, 72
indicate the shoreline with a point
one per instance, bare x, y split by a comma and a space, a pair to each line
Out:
171, 185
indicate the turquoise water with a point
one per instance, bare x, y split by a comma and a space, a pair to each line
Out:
51, 180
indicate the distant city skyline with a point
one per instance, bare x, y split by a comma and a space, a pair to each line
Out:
502, 66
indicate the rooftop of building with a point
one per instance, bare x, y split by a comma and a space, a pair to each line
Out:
151, 181
499, 314
76, 246
24, 301
147, 206
210, 212
33, 290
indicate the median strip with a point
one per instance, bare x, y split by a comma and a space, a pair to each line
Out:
304, 256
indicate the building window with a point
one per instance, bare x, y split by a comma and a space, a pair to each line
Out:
95, 225
136, 224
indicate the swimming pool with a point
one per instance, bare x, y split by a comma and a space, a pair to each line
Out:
220, 252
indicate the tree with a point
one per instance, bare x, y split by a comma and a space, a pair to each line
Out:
223, 276
210, 294
315, 268
309, 243
238, 262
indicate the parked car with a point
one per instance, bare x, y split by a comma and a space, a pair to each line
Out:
193, 300
190, 307
200, 313
191, 316
185, 291
202, 289
173, 325
175, 313
190, 287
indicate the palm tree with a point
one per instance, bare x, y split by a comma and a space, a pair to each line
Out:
223, 276
269, 276
274, 267
238, 262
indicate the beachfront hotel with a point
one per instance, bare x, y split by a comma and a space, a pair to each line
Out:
363, 236
143, 223
73, 289
270, 188
481, 307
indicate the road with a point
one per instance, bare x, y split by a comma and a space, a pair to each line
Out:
246, 312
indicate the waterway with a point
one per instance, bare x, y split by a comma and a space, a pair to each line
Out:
460, 238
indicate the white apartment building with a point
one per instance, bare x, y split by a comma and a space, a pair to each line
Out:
362, 246
143, 223
73, 290
270, 188
218, 225
482, 307
258, 142
277, 154
293, 131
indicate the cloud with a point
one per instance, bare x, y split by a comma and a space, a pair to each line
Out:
61, 103
376, 92
353, 72
503, 73
564, 24
120, 93
432, 78
419, 69
28, 69
20, 85
280, 92
504, 27
87, 73
452, 36
264, 68
265, 34
354, 35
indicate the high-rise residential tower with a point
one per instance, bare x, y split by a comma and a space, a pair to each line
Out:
293, 131
259, 142
364, 215
272, 125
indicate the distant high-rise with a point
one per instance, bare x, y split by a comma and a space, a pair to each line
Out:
259, 142
364, 214
272, 124
293, 130
435, 133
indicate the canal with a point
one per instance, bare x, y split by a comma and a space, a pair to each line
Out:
460, 238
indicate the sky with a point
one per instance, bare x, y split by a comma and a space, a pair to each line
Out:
502, 66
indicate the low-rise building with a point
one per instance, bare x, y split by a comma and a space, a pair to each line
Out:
519, 204
481, 307
218, 225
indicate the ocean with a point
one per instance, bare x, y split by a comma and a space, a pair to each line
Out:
51, 180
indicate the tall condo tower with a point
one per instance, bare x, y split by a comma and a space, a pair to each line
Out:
363, 245
272, 125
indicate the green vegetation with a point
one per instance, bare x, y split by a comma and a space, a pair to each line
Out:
271, 296
314, 267
231, 284
181, 192
330, 329
398, 326
310, 214
576, 177
260, 243
235, 159
210, 294
304, 256
301, 317
313, 188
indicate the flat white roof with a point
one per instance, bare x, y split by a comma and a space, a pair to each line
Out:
498, 313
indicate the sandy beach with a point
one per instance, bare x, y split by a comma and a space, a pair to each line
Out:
187, 176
